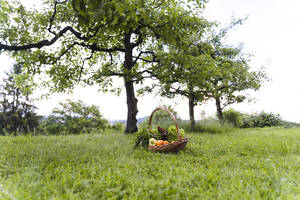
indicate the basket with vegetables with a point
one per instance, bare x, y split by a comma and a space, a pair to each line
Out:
162, 140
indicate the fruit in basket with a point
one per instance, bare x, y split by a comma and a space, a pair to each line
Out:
152, 141
166, 142
159, 143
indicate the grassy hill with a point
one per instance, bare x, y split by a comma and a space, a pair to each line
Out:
243, 164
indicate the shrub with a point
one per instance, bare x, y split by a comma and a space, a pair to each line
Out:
262, 119
118, 127
233, 117
74, 118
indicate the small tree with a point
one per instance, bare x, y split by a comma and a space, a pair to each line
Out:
230, 75
183, 76
233, 117
74, 117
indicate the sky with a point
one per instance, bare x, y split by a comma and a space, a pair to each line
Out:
271, 34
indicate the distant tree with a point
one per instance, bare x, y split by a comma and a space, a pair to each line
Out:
90, 42
17, 112
208, 69
230, 78
74, 117
231, 75
184, 76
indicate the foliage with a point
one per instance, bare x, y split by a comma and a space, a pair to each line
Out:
208, 69
51, 126
255, 120
173, 134
262, 119
288, 124
231, 76
185, 73
119, 127
142, 137
17, 112
91, 42
74, 117
233, 117
245, 164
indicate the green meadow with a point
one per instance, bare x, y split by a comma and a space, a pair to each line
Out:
240, 164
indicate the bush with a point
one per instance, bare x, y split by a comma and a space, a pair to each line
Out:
261, 120
73, 118
118, 127
233, 117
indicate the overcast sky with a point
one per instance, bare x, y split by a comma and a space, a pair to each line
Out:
271, 33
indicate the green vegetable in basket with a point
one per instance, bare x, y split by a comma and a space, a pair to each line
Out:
155, 134
172, 129
142, 137
172, 133
181, 132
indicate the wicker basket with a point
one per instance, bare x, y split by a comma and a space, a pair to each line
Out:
171, 147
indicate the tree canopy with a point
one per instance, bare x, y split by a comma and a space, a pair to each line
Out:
88, 42
209, 69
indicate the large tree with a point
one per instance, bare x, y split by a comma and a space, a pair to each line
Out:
90, 42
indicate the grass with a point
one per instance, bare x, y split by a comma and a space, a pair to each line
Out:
207, 125
242, 164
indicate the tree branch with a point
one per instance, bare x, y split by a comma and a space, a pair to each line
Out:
94, 47
52, 19
140, 54
43, 43
63, 53
81, 69
139, 40
145, 60
178, 91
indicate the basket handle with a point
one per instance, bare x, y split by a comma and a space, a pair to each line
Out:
172, 116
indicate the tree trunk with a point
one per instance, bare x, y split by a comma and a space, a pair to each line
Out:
132, 110
191, 111
219, 109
